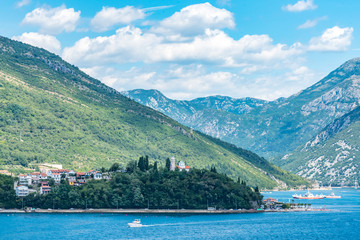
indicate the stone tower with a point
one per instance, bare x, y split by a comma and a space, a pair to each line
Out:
172, 164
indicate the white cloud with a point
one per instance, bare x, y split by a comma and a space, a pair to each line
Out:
333, 39
53, 20
300, 6
130, 44
311, 23
110, 16
194, 19
188, 55
178, 82
194, 80
22, 3
47, 42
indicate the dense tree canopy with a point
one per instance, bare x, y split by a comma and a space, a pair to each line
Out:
152, 189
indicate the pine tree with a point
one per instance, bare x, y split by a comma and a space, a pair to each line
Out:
114, 167
146, 162
141, 164
155, 167
167, 164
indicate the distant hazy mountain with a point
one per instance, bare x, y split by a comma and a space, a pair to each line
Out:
50, 111
333, 155
270, 129
182, 110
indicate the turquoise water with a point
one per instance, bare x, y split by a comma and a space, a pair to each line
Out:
341, 223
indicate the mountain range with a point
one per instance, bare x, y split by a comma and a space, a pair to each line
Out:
50, 111
332, 156
272, 129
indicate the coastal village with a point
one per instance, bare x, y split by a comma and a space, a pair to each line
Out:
50, 175
53, 174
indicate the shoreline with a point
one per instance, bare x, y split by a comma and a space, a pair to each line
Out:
310, 189
158, 211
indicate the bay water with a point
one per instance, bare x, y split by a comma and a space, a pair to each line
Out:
341, 222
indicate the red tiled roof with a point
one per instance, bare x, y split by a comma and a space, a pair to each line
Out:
270, 200
186, 167
43, 174
44, 183
22, 175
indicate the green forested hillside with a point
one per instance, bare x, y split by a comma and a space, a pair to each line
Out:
50, 111
153, 189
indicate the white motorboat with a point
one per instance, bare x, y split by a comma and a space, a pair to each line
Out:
332, 195
135, 223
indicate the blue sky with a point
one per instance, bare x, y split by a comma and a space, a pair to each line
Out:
187, 49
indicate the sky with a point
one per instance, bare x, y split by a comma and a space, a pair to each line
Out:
188, 49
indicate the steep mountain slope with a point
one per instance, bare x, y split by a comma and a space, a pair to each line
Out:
275, 128
50, 111
332, 156
182, 110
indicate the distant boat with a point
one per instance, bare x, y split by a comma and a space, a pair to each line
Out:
332, 195
135, 223
308, 195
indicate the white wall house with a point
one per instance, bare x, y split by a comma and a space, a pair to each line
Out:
56, 177
22, 191
24, 179
97, 176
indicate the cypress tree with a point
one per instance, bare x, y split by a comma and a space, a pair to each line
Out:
146, 162
155, 167
141, 164
167, 164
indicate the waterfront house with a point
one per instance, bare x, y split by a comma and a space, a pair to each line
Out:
35, 177
59, 171
22, 191
81, 177
24, 179
56, 177
97, 175
43, 176
71, 179
45, 188
106, 176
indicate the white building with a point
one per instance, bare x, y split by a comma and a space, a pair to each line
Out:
43, 176
22, 191
24, 179
97, 175
56, 177
45, 189
182, 166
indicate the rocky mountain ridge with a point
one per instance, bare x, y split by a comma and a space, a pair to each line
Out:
333, 155
270, 129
